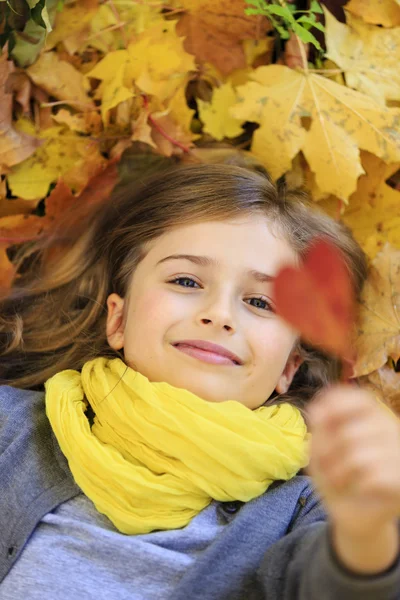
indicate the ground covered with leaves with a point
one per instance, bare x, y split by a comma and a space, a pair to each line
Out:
94, 92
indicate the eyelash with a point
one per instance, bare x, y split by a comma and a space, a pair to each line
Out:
269, 306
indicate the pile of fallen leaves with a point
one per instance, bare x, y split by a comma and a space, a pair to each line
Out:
95, 91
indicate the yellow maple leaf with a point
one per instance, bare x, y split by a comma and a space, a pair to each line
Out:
60, 79
112, 71
342, 121
373, 213
384, 12
180, 112
69, 25
158, 62
104, 32
111, 28
215, 116
63, 154
369, 55
379, 318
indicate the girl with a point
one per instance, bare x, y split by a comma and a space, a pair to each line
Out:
155, 413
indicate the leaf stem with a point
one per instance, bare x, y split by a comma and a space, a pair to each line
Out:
44, 104
300, 43
106, 30
119, 23
161, 130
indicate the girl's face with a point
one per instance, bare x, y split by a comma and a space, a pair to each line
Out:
221, 302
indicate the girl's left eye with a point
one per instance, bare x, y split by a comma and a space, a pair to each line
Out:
259, 298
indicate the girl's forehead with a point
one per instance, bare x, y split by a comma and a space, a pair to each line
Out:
240, 228
240, 238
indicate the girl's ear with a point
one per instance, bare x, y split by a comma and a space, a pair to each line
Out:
115, 325
293, 363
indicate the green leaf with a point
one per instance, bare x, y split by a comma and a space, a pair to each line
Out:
282, 32
310, 18
254, 11
316, 7
315, 24
306, 36
280, 11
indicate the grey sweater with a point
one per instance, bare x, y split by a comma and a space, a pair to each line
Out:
55, 544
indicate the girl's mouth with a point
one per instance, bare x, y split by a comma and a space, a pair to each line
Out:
205, 355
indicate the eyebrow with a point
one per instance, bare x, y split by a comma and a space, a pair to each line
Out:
207, 261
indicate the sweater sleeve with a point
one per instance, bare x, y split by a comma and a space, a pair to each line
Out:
303, 566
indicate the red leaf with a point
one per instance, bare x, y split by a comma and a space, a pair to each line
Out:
318, 299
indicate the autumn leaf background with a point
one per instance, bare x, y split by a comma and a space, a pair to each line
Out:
94, 93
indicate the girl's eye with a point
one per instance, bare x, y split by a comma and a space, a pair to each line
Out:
267, 304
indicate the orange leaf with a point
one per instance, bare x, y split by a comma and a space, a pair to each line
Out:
215, 29
318, 299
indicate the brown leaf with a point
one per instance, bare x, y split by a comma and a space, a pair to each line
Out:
169, 136
68, 213
66, 218
7, 270
14, 230
215, 29
16, 206
379, 318
293, 56
20, 86
61, 80
85, 122
14, 145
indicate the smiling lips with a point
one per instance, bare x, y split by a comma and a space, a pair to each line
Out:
205, 355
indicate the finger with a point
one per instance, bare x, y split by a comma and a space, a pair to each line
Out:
331, 442
353, 473
341, 403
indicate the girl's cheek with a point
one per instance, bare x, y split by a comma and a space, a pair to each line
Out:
157, 307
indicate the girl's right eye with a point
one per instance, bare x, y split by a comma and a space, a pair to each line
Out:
183, 279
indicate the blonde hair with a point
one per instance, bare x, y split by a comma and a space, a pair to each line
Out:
54, 317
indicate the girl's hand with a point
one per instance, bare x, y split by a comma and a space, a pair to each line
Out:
355, 465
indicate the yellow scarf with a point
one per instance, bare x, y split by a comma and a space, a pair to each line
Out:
156, 455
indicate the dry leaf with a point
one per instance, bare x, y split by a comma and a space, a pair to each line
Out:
214, 31
342, 121
64, 154
61, 79
166, 132
159, 63
115, 25
20, 86
379, 317
72, 25
86, 122
383, 12
13, 230
385, 382
373, 213
369, 56
142, 129
15, 146
215, 115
